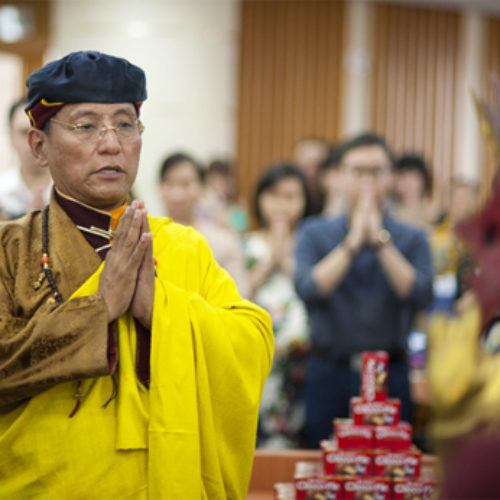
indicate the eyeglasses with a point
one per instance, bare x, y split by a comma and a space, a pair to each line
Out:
375, 171
91, 132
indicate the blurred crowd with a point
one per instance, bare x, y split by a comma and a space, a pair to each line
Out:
361, 194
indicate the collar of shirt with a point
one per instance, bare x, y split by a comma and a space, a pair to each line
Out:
97, 226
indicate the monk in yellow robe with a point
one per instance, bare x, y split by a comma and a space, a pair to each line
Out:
130, 367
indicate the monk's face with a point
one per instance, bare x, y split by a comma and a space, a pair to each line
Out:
99, 170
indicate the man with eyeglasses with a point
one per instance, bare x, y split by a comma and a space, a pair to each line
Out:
362, 275
130, 367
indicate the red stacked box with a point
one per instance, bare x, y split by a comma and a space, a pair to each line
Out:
376, 412
378, 488
325, 487
397, 463
393, 437
357, 462
375, 376
371, 455
373, 449
407, 489
350, 436
312, 483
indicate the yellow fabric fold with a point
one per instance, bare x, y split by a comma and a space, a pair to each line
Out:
132, 414
192, 435
464, 380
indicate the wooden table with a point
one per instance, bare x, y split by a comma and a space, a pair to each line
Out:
274, 466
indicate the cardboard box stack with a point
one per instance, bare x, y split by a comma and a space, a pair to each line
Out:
371, 455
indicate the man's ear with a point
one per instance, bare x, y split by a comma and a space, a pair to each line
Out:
37, 139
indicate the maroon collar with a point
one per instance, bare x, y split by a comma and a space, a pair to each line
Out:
93, 223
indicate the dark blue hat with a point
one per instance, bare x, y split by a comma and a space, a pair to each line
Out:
83, 77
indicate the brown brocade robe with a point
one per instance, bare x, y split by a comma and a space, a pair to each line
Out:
42, 343
191, 436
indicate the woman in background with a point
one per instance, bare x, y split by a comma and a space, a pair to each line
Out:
220, 201
281, 201
413, 190
181, 186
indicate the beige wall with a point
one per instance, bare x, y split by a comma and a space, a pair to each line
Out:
247, 78
406, 71
188, 49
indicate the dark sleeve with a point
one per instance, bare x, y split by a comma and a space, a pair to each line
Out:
58, 343
419, 255
306, 257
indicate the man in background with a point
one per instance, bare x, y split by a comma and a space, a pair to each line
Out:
331, 181
362, 276
308, 153
27, 186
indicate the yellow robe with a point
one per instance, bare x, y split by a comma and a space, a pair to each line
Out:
191, 436
464, 379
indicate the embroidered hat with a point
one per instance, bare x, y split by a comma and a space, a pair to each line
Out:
85, 76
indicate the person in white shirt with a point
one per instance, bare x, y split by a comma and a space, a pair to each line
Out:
27, 186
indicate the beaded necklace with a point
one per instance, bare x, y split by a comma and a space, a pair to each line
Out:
45, 260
